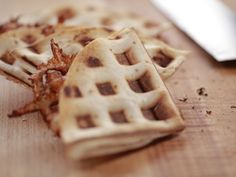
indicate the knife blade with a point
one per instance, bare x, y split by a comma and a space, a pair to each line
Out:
209, 23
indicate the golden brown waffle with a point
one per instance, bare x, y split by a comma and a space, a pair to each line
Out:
114, 100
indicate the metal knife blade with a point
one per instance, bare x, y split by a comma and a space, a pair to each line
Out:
209, 22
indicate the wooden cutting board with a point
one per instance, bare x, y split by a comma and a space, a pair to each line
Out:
207, 147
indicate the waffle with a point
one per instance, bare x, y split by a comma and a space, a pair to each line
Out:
108, 105
48, 78
96, 16
47, 83
72, 40
18, 56
166, 58
22, 54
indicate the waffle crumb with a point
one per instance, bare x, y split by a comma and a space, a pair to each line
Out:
208, 112
184, 99
202, 91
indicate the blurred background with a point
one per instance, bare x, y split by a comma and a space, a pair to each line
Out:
14, 7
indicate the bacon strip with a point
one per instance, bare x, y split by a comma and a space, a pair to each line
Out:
47, 83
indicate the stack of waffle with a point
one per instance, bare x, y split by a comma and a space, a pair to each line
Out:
96, 74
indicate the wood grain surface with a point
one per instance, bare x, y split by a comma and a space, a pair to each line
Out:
207, 147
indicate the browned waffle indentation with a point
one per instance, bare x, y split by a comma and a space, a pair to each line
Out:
118, 117
162, 59
123, 59
47, 30
26, 71
93, 62
8, 58
34, 48
149, 114
29, 39
65, 14
143, 84
105, 88
10, 25
85, 121
24, 58
72, 91
160, 111
83, 39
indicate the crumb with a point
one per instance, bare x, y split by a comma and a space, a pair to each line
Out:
184, 99
24, 120
208, 112
193, 107
232, 107
202, 91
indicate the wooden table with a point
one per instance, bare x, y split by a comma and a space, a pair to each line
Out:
207, 147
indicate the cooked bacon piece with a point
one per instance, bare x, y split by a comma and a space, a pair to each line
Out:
47, 84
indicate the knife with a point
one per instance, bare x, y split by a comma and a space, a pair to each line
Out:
210, 23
